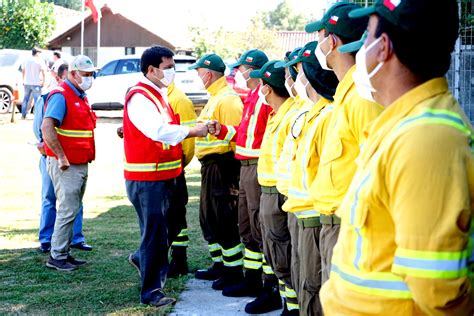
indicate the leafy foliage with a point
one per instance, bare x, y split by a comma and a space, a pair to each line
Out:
70, 4
25, 23
283, 18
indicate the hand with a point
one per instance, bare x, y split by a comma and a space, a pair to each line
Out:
120, 132
40, 147
200, 130
63, 163
214, 127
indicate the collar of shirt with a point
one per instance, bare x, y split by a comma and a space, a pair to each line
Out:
81, 95
344, 86
282, 111
162, 91
217, 86
317, 108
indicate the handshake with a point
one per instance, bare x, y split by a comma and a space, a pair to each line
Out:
202, 129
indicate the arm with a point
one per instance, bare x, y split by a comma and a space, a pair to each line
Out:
430, 188
38, 120
51, 139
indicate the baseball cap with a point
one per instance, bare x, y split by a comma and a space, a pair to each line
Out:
82, 63
337, 21
209, 61
354, 46
291, 56
254, 57
274, 76
306, 54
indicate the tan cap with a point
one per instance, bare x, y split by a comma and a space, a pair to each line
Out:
82, 63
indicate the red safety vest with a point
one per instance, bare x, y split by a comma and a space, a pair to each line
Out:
146, 159
76, 133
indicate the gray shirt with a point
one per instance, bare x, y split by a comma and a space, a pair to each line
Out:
32, 68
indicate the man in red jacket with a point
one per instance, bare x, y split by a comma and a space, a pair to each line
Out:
68, 132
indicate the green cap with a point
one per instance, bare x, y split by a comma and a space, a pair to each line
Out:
269, 73
354, 46
209, 61
254, 58
291, 56
337, 21
306, 54
412, 16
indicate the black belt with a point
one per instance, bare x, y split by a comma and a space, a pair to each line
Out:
249, 162
310, 222
270, 190
330, 220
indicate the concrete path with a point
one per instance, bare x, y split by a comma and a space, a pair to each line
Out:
199, 299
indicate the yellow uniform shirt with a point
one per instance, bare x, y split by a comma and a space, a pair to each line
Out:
404, 245
272, 143
351, 115
225, 106
183, 106
309, 144
283, 166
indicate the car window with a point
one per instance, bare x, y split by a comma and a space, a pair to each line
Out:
8, 59
126, 66
108, 69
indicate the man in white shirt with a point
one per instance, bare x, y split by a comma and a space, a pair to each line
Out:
33, 70
153, 154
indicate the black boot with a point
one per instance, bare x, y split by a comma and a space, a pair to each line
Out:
286, 312
269, 300
211, 274
250, 286
231, 276
178, 264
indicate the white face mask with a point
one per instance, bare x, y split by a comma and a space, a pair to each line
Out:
204, 83
361, 76
86, 83
289, 88
322, 58
168, 76
301, 88
262, 96
244, 72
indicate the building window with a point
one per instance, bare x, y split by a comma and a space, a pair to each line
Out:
129, 50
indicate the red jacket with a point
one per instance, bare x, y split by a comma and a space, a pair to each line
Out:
249, 134
76, 133
146, 159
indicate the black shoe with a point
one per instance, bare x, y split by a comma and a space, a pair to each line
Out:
178, 265
134, 263
82, 246
230, 277
211, 274
45, 247
60, 265
75, 262
161, 300
250, 286
268, 301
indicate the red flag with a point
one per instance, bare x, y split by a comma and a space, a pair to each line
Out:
91, 6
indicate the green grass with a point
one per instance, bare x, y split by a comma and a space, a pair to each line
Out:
107, 284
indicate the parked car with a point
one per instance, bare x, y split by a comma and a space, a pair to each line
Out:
11, 81
118, 75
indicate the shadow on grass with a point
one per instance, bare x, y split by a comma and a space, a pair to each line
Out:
107, 284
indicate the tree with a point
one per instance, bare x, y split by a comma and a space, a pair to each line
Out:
25, 23
283, 18
70, 4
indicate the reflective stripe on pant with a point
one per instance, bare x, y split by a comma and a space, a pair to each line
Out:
276, 237
327, 240
292, 301
310, 271
48, 210
69, 187
151, 202
218, 206
176, 216
249, 219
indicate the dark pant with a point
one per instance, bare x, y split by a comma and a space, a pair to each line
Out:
310, 271
218, 205
327, 239
176, 216
249, 217
151, 202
